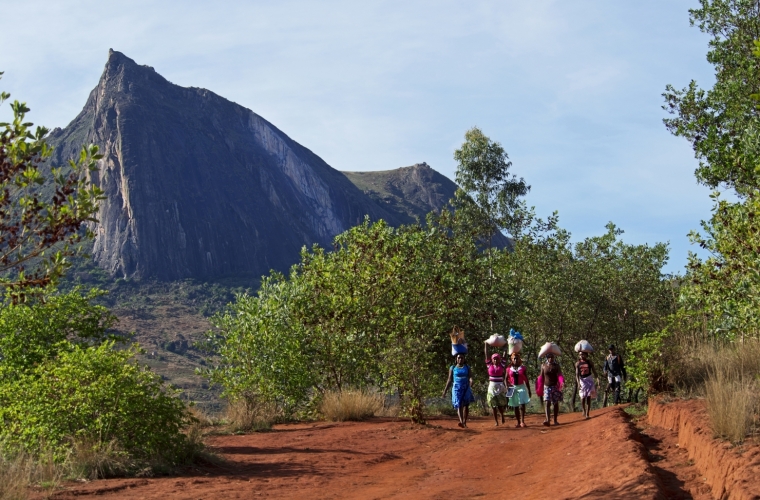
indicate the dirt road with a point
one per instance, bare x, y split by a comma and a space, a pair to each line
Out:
385, 458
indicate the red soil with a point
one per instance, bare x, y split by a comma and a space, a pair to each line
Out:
731, 472
385, 458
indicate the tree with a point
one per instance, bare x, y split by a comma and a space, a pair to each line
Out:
488, 192
375, 312
720, 120
722, 294
43, 209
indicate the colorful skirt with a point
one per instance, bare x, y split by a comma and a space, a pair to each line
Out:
461, 394
519, 396
587, 387
497, 394
552, 394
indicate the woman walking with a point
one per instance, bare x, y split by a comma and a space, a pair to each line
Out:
517, 376
460, 381
497, 387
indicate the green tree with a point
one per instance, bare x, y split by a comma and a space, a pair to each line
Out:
488, 192
721, 295
375, 312
718, 121
43, 209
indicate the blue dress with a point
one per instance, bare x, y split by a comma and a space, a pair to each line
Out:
461, 393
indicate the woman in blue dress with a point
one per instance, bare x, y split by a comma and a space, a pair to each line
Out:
461, 393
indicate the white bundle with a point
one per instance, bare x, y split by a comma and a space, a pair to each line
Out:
583, 346
515, 344
496, 340
549, 347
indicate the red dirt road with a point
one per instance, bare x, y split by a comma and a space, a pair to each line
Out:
385, 458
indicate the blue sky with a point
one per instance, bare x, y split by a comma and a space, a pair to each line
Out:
572, 90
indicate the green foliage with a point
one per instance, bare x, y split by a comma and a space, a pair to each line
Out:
489, 194
40, 328
719, 121
600, 289
374, 312
95, 393
43, 209
721, 295
647, 362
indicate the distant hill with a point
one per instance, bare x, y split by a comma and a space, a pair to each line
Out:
410, 192
200, 187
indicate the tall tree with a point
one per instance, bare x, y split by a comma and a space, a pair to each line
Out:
720, 120
489, 192
722, 123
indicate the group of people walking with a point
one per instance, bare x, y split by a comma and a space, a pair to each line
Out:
508, 384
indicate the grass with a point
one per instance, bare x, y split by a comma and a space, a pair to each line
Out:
636, 409
20, 471
726, 375
351, 405
251, 414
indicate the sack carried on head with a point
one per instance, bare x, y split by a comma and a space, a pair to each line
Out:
496, 340
549, 347
515, 341
583, 346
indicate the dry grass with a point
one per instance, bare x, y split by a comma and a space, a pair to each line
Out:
726, 375
251, 414
92, 459
731, 405
21, 471
351, 405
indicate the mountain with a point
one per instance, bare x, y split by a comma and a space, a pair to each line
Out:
410, 192
200, 187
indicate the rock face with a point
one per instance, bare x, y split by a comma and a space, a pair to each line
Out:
198, 186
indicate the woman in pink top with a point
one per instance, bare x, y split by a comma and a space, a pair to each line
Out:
497, 387
517, 376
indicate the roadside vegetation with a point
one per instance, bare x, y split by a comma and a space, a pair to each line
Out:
74, 403
709, 347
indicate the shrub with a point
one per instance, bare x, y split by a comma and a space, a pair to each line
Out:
250, 412
351, 405
93, 395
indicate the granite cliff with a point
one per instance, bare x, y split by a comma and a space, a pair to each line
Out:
198, 186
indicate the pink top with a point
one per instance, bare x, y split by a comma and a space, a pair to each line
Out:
496, 372
521, 375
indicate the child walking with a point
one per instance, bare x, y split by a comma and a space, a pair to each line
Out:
461, 391
584, 378
552, 378
517, 376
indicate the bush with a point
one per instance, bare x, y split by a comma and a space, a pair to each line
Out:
93, 395
351, 405
251, 413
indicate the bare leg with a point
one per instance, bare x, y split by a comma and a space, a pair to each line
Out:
466, 414
495, 415
521, 409
556, 413
502, 409
460, 414
547, 406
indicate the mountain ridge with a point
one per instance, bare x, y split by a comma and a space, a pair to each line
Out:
198, 186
